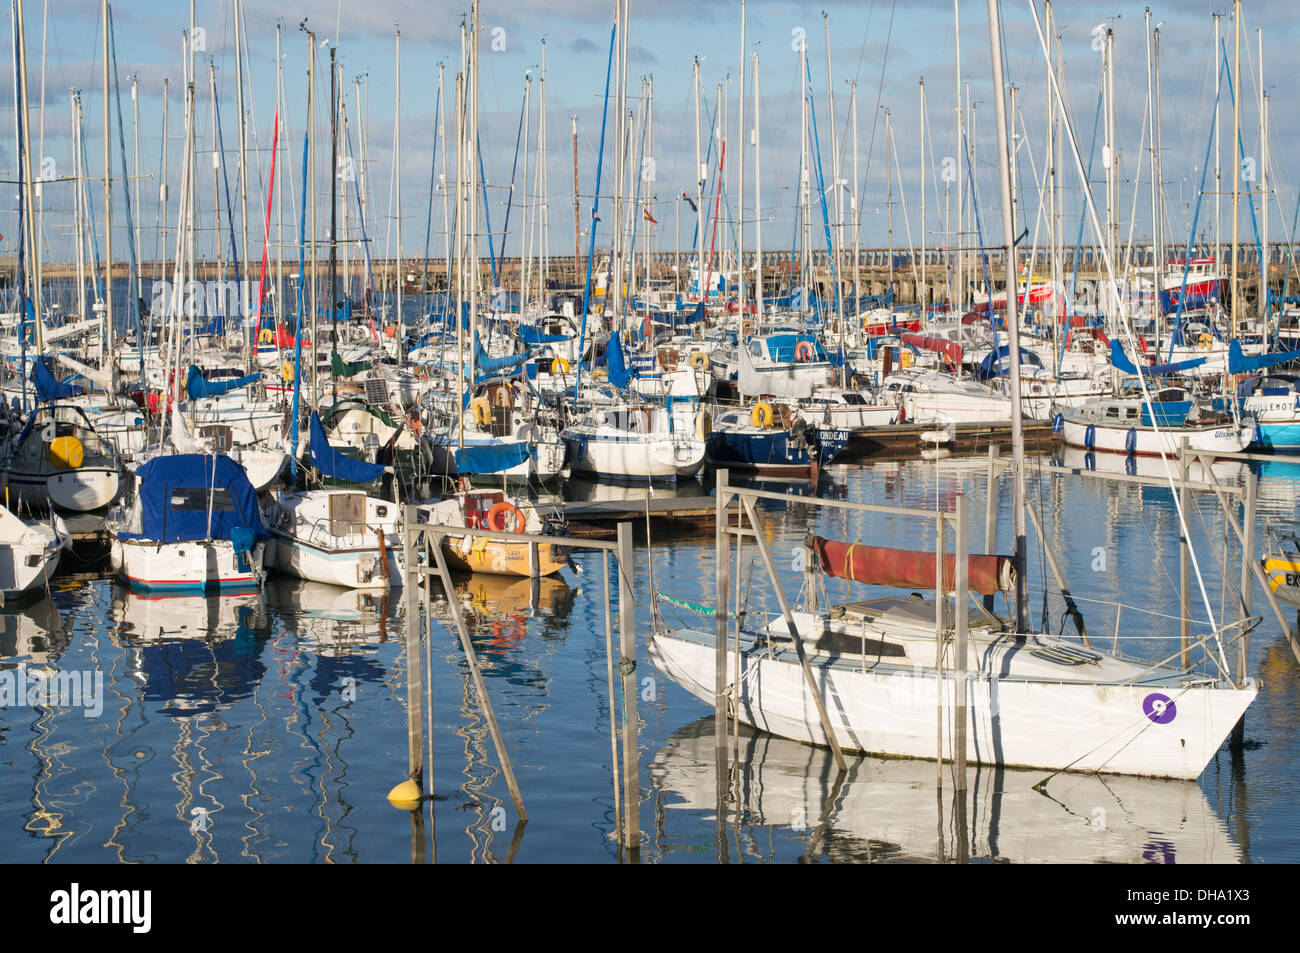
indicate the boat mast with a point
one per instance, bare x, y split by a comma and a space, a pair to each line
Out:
740, 173
106, 335
758, 210
1263, 192
1236, 150
1012, 321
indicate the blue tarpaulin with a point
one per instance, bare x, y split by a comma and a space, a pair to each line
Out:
49, 388
197, 386
1125, 366
336, 465
192, 496
490, 458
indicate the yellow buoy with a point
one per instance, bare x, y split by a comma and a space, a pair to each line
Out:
66, 453
700, 361
762, 414
560, 366
502, 397
406, 796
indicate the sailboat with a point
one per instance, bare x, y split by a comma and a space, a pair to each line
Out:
874, 675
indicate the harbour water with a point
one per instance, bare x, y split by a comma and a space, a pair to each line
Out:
269, 727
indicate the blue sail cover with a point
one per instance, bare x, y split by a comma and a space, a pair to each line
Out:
47, 386
998, 362
1238, 363
496, 365
1125, 366
336, 465
619, 374
490, 458
192, 496
197, 386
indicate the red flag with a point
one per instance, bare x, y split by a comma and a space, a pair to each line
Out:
648, 217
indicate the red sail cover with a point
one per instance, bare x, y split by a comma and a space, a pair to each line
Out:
906, 569
929, 342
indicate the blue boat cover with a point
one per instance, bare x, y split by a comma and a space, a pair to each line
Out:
197, 386
1125, 366
490, 458
47, 386
531, 335
1238, 363
192, 496
336, 465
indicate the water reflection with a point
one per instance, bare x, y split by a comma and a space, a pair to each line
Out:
891, 809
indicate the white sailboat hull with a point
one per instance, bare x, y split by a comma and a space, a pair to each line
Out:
1055, 725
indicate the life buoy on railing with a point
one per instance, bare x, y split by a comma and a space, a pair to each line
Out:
1205, 342
905, 359
560, 366
502, 397
703, 425
804, 352
699, 360
496, 518
761, 415
481, 411
265, 336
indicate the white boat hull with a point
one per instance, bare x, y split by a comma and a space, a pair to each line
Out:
1054, 725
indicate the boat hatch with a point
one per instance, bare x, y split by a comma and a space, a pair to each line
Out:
912, 612
1063, 653
347, 513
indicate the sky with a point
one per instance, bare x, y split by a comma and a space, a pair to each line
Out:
885, 48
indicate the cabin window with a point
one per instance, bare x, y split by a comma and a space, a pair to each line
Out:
1112, 413
197, 498
853, 398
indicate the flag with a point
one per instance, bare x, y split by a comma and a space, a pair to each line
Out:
691, 202
648, 217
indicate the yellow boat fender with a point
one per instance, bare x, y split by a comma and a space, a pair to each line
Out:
700, 361
703, 425
482, 411
761, 415
66, 453
560, 366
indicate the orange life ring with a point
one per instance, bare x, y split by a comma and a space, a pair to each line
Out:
496, 521
803, 351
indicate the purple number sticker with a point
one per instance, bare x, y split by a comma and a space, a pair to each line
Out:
1159, 708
